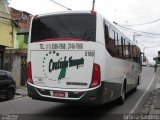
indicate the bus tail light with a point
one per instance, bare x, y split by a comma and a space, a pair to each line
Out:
96, 74
29, 73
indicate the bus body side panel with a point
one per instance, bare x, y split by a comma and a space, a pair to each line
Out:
113, 73
112, 69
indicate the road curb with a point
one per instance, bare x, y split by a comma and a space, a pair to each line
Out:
18, 96
21, 92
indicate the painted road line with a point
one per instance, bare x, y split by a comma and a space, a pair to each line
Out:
137, 104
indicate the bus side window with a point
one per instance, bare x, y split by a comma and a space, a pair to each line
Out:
122, 50
117, 45
128, 51
107, 39
110, 41
106, 33
138, 54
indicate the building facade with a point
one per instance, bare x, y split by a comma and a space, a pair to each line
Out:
22, 19
18, 55
6, 30
14, 29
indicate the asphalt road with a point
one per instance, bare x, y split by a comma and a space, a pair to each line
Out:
27, 109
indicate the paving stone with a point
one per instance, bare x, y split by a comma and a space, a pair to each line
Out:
155, 108
152, 105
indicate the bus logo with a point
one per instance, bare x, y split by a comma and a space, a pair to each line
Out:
62, 63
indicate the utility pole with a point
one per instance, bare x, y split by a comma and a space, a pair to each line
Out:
135, 36
93, 4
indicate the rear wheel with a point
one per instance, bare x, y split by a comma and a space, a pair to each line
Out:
135, 89
123, 94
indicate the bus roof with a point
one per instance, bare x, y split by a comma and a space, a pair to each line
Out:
64, 12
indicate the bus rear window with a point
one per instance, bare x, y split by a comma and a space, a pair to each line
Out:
76, 26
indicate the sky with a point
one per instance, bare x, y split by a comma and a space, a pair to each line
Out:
141, 15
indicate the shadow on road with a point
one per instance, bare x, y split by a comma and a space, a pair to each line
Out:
74, 112
78, 112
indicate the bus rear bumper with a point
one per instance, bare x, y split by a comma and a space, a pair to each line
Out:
103, 94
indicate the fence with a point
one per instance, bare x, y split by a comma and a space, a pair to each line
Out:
23, 70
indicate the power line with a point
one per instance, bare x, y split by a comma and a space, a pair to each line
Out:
135, 30
144, 23
154, 46
129, 32
61, 5
144, 35
153, 43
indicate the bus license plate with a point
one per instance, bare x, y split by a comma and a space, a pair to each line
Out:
59, 94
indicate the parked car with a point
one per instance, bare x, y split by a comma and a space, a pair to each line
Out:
7, 85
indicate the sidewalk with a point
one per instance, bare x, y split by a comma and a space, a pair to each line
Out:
156, 101
21, 92
152, 105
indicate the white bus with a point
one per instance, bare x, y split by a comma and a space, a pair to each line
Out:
80, 58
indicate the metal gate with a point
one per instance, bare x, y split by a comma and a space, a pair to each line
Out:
23, 70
